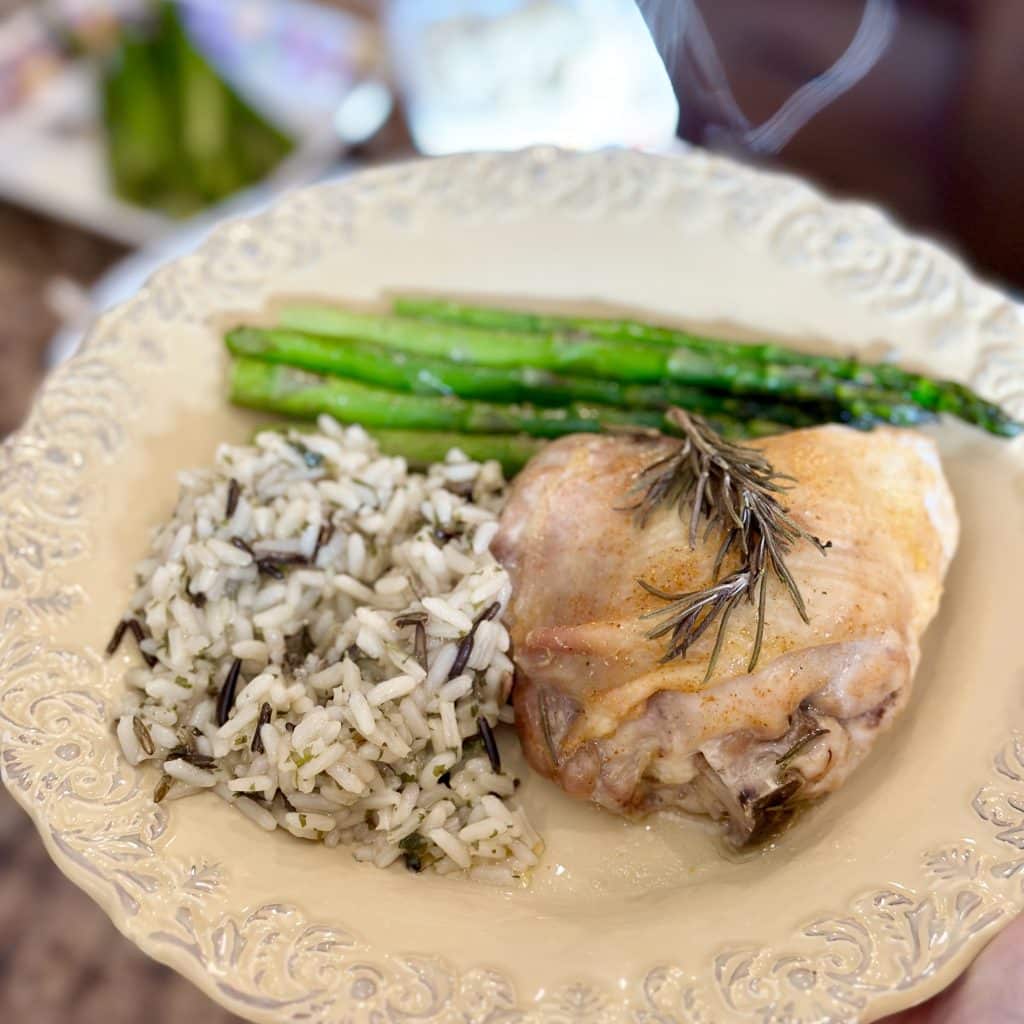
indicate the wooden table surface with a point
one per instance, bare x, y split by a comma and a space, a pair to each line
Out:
33, 252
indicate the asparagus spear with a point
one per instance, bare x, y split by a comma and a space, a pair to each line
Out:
284, 389
396, 370
939, 396
603, 357
422, 448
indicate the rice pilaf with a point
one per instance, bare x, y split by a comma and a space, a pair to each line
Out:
326, 653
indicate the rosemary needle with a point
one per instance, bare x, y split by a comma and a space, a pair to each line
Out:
717, 483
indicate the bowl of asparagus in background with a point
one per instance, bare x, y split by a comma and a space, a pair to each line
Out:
178, 136
495, 381
131, 116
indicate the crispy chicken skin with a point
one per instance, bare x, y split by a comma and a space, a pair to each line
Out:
598, 711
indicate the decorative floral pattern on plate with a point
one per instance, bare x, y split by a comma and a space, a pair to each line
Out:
886, 948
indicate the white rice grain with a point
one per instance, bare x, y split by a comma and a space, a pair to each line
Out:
250, 650
391, 689
190, 774
451, 846
362, 714
446, 612
260, 815
129, 743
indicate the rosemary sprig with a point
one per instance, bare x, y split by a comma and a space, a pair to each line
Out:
716, 483
800, 746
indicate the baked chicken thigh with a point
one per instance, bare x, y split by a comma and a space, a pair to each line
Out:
598, 708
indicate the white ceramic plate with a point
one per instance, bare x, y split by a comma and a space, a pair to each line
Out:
871, 902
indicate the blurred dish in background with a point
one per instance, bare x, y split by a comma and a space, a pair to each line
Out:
473, 74
178, 137
503, 74
284, 69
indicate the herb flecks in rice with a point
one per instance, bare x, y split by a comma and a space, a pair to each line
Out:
328, 653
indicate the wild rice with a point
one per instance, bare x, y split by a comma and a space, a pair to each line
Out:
116, 637
143, 735
324, 634
490, 744
256, 745
162, 788
233, 494
136, 630
226, 698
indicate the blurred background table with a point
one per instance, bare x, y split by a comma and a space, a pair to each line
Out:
33, 250
932, 131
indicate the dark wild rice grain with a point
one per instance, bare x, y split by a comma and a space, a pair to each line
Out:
487, 614
257, 740
490, 743
266, 567
233, 494
142, 734
410, 619
116, 638
226, 697
465, 649
323, 538
284, 557
242, 545
420, 645
201, 761
192, 757
162, 788
140, 634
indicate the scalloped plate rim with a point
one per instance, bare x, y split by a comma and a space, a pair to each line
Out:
106, 896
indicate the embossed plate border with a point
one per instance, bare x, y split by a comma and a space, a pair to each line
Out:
889, 948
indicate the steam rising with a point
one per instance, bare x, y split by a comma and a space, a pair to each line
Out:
682, 35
